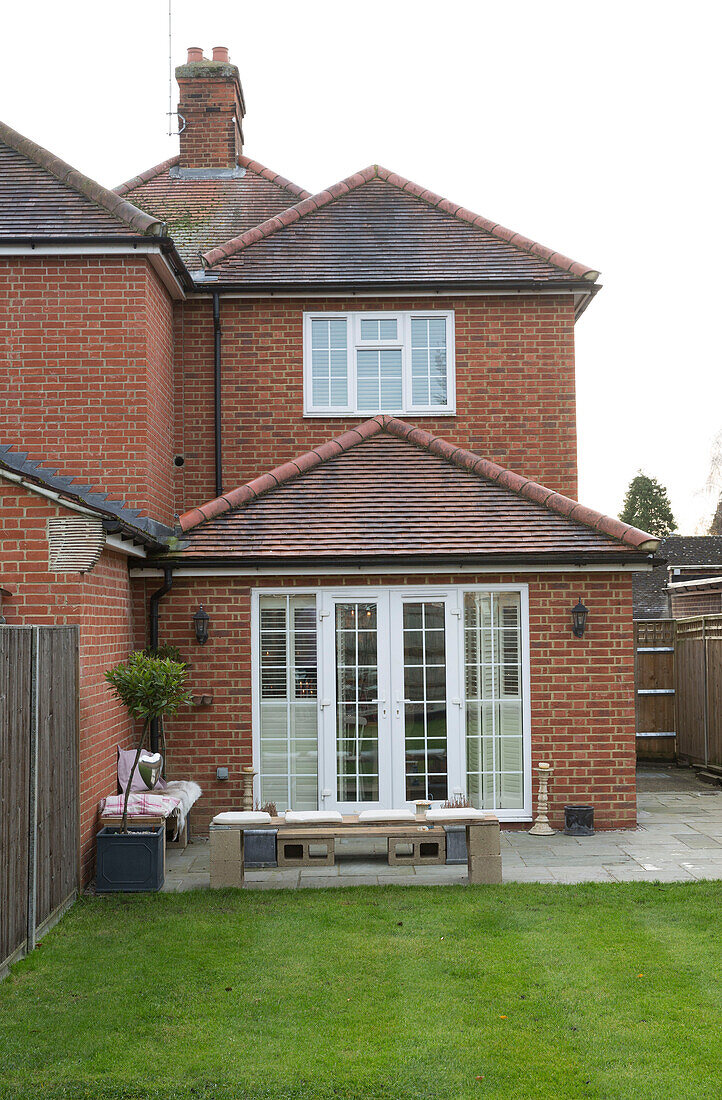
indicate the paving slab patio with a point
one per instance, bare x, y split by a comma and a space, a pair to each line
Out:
678, 839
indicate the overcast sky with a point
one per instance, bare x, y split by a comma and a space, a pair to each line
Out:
593, 128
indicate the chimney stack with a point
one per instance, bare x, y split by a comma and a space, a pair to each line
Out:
212, 109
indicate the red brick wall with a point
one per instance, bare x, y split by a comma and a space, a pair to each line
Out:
210, 107
514, 381
86, 372
99, 603
582, 690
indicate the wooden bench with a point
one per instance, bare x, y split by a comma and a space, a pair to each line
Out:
314, 845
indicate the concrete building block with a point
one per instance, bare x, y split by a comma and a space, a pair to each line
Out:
305, 852
483, 839
484, 870
226, 872
423, 849
225, 843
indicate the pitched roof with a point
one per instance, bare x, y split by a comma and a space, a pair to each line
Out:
701, 555
386, 488
202, 212
41, 195
377, 226
136, 525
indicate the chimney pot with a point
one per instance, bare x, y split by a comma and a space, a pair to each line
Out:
195, 53
220, 53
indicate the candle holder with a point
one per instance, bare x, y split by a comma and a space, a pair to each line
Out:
541, 826
421, 807
248, 777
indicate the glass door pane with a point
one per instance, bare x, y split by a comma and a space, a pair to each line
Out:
425, 703
493, 681
288, 702
357, 701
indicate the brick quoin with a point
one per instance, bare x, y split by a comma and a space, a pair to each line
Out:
514, 381
99, 603
86, 373
582, 689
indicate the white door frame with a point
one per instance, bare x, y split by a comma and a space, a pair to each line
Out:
393, 594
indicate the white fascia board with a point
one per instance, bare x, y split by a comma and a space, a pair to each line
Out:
362, 570
153, 251
123, 546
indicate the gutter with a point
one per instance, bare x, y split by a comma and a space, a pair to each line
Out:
217, 423
155, 599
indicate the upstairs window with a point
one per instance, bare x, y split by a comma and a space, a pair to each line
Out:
365, 363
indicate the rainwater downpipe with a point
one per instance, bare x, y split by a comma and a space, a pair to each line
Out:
217, 392
153, 614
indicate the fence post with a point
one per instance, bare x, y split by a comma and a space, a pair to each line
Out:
705, 691
33, 789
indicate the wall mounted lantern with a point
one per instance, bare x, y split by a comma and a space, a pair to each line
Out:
579, 619
200, 622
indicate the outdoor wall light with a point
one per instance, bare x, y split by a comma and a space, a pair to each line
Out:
200, 622
579, 619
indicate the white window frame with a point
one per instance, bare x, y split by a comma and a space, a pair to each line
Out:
354, 342
326, 673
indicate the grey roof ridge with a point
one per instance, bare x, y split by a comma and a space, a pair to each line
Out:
17, 462
121, 209
376, 171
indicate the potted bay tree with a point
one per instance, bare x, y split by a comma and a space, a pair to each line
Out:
152, 688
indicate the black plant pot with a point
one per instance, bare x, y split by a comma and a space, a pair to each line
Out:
579, 820
130, 862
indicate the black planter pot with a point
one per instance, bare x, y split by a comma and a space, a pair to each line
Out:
579, 820
130, 862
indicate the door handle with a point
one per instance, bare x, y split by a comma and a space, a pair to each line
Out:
325, 703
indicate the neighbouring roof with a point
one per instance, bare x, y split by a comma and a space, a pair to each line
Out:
42, 196
377, 227
204, 212
130, 521
699, 555
388, 489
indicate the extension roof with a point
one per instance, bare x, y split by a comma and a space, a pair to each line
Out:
203, 212
119, 515
377, 228
386, 489
42, 196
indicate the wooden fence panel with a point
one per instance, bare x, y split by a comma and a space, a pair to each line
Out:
39, 797
58, 811
654, 675
15, 729
699, 690
713, 640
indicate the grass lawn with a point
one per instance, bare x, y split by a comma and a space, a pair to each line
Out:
518, 991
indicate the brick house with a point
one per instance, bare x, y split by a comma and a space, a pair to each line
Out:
330, 420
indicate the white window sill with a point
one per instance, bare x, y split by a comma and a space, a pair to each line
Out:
344, 414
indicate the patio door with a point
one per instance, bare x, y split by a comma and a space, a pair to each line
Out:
378, 697
391, 707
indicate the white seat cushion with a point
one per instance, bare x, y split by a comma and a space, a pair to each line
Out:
313, 817
249, 817
464, 813
386, 815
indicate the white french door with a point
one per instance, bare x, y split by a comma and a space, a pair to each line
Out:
391, 704
376, 698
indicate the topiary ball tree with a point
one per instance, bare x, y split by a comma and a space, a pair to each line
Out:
151, 688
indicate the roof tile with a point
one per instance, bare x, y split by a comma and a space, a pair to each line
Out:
387, 487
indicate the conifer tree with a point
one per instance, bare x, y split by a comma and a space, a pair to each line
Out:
647, 506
